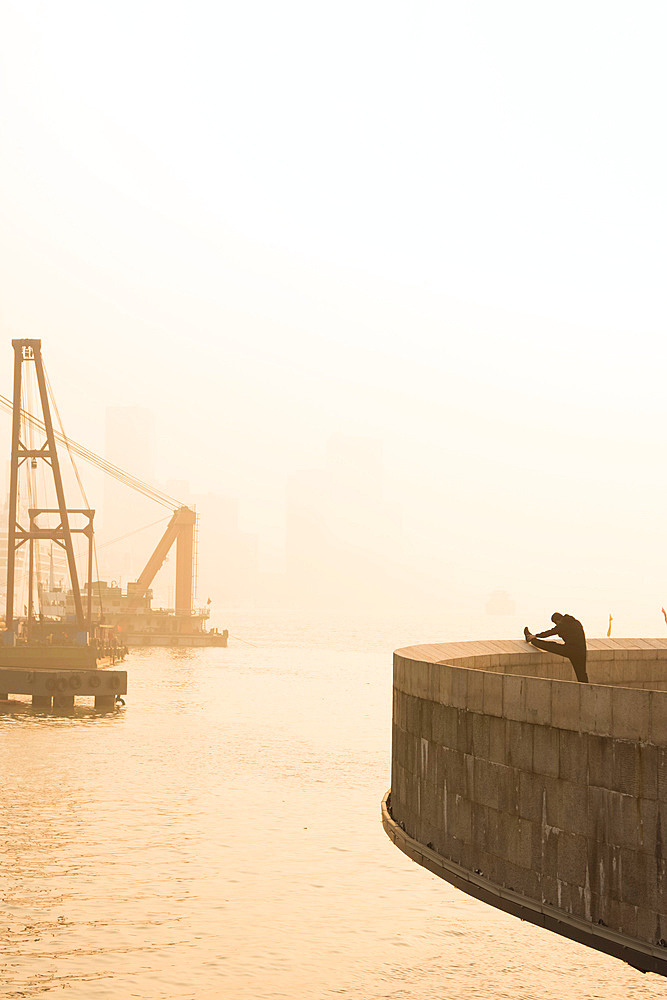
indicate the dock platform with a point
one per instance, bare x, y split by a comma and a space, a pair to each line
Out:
58, 688
55, 675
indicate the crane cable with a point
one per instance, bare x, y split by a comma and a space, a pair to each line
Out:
91, 540
132, 482
136, 531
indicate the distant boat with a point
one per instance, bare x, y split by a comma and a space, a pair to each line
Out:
500, 603
136, 623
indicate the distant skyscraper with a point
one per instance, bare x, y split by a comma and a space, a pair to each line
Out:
307, 537
341, 535
227, 557
354, 462
355, 506
129, 444
129, 439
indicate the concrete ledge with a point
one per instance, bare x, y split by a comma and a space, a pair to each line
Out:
518, 682
504, 764
637, 953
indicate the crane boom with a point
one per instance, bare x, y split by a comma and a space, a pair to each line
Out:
180, 530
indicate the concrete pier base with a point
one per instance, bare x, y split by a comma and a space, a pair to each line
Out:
61, 687
105, 700
63, 701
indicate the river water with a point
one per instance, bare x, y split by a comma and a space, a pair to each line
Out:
220, 837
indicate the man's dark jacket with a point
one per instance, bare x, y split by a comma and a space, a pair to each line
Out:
569, 629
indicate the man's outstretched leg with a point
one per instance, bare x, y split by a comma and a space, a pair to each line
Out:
559, 648
577, 657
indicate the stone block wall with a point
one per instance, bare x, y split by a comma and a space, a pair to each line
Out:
556, 791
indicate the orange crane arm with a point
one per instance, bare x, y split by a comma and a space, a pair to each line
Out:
182, 518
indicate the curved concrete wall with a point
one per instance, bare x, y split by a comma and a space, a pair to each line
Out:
536, 793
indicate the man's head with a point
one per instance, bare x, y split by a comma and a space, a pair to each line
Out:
556, 617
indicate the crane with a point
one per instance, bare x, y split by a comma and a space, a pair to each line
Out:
179, 531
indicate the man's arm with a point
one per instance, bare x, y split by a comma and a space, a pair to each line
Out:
545, 635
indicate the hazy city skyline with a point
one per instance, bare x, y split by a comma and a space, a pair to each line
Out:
452, 257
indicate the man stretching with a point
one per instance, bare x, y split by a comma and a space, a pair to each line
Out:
573, 645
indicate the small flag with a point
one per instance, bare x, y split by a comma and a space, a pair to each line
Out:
664, 613
611, 620
209, 601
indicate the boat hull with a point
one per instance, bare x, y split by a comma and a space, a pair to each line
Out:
174, 640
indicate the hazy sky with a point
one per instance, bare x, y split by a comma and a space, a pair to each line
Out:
441, 224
